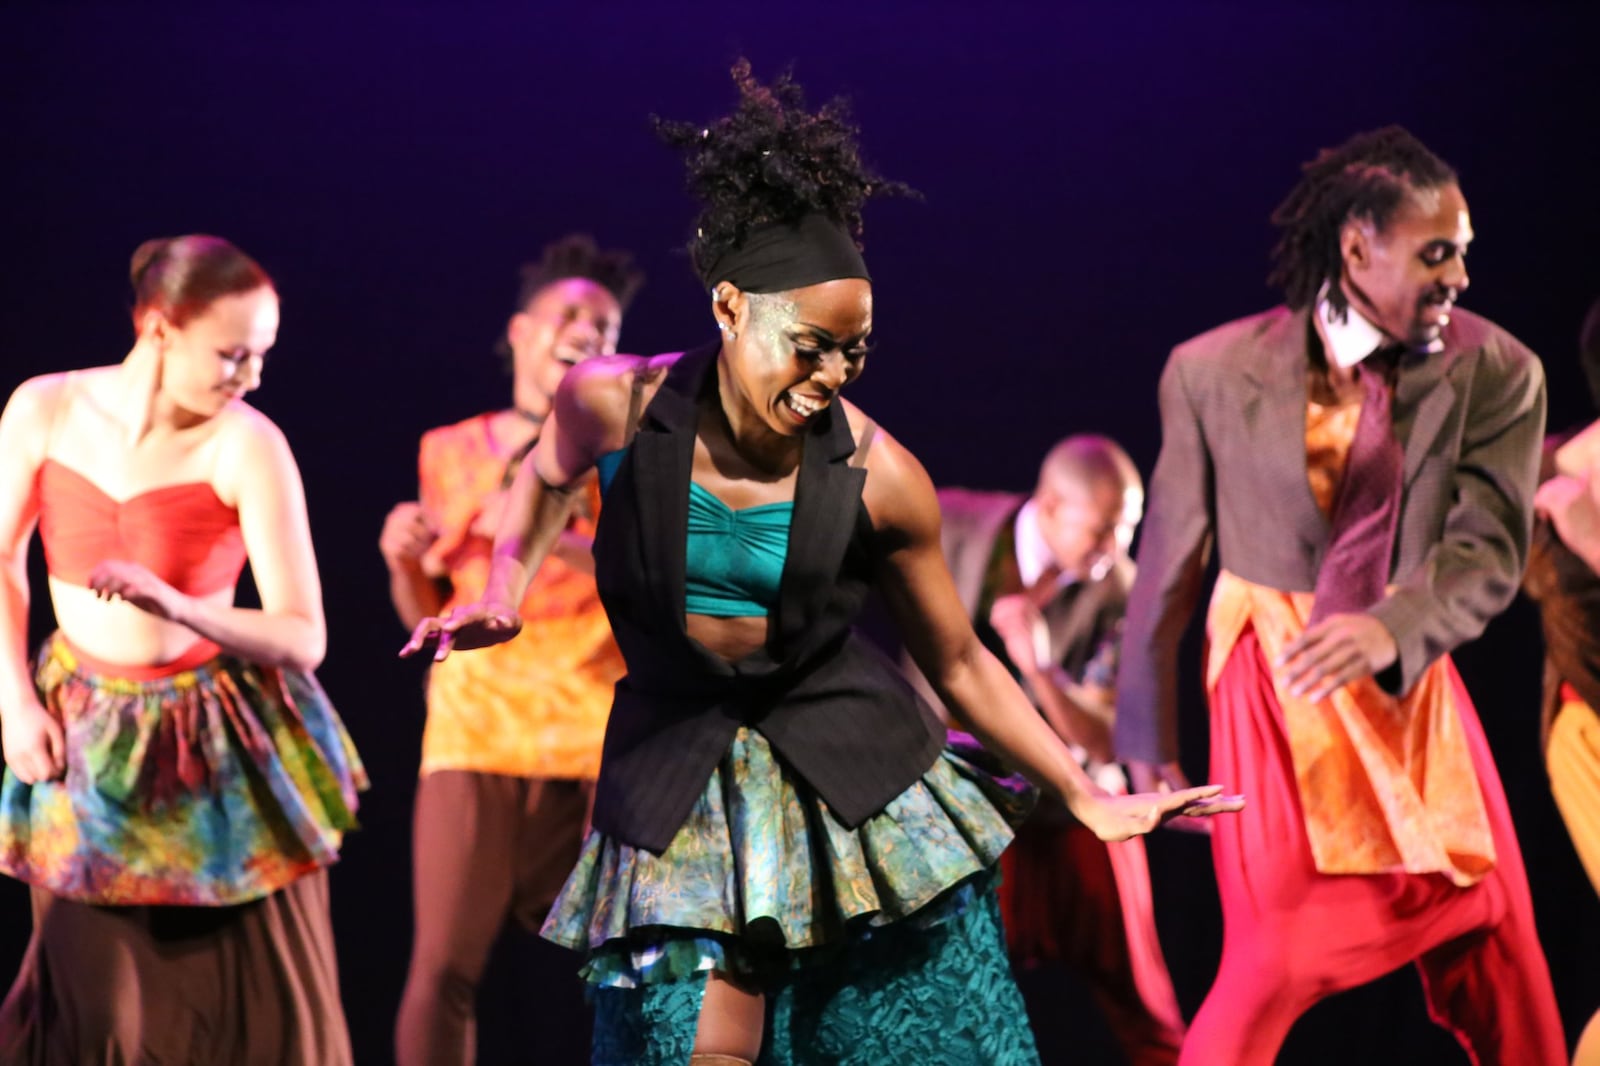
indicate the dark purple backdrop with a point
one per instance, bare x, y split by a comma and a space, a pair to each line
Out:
1097, 186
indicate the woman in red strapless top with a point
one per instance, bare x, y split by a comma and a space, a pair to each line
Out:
173, 770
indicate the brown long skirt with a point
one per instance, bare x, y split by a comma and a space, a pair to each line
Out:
254, 984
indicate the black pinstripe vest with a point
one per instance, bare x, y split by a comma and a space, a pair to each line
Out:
834, 709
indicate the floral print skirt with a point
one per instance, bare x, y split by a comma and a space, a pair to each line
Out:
876, 944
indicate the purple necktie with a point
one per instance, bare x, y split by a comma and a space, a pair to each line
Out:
1366, 513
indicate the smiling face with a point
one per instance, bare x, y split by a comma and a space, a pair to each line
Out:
1405, 278
790, 353
217, 355
565, 323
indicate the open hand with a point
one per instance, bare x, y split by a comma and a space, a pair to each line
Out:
1120, 817
116, 579
472, 625
35, 745
1166, 777
1336, 651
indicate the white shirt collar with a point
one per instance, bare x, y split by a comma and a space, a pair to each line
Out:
1033, 552
1349, 340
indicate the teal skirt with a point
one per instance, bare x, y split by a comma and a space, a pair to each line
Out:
868, 943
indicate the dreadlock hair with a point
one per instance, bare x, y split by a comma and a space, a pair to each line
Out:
771, 160
576, 256
1367, 177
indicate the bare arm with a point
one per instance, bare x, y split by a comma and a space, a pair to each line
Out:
972, 682
413, 594
288, 629
409, 530
34, 745
584, 421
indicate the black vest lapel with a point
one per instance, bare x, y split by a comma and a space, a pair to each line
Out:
827, 499
663, 459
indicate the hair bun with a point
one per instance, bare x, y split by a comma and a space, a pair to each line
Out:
144, 256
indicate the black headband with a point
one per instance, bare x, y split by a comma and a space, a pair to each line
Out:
779, 256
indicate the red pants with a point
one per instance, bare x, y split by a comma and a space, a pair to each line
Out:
485, 848
1068, 896
1293, 935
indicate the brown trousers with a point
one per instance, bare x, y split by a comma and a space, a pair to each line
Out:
485, 847
254, 984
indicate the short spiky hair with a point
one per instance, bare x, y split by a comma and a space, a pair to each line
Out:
771, 160
1366, 177
577, 256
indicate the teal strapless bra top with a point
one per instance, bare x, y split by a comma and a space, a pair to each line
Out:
733, 561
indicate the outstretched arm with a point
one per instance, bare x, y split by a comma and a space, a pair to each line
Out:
584, 421
972, 682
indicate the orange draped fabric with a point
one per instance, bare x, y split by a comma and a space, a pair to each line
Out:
1386, 784
535, 706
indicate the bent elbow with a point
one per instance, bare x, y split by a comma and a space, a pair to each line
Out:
308, 649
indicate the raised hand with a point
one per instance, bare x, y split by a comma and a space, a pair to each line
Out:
472, 625
116, 579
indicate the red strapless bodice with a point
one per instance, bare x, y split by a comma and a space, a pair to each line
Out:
182, 533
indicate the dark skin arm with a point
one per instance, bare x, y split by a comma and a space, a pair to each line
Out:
587, 420
974, 684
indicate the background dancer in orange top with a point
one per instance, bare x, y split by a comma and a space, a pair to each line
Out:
1365, 460
512, 743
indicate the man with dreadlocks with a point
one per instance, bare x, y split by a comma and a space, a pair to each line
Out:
512, 742
1365, 459
786, 862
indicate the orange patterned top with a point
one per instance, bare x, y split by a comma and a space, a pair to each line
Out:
535, 706
1386, 784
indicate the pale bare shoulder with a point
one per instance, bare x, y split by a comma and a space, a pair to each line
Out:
39, 397
34, 407
249, 447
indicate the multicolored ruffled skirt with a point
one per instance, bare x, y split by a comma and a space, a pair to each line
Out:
205, 782
875, 944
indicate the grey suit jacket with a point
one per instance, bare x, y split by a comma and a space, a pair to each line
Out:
1078, 619
1232, 470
